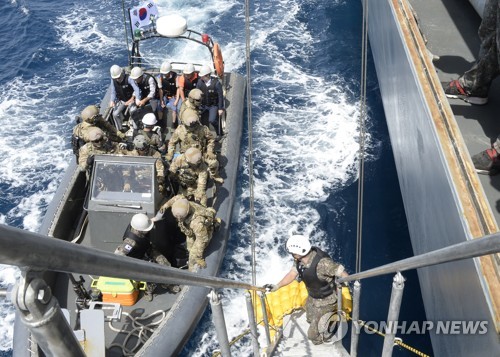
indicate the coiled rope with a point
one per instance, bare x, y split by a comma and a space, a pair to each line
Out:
139, 331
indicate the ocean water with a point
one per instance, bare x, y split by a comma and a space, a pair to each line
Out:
305, 87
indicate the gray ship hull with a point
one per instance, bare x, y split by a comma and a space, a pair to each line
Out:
444, 200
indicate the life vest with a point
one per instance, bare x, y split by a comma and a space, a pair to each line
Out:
169, 85
124, 90
211, 96
145, 87
142, 243
316, 288
190, 84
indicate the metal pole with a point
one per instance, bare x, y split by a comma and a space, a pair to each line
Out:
473, 248
40, 312
355, 328
220, 323
339, 310
398, 285
16, 242
253, 325
264, 314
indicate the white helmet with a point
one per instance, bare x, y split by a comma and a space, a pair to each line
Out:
204, 70
136, 72
115, 71
165, 68
298, 244
141, 222
149, 119
188, 68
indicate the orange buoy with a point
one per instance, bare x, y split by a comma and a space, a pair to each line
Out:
218, 60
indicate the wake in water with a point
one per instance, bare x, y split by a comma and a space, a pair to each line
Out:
304, 132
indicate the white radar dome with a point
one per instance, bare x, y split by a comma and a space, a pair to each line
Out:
171, 25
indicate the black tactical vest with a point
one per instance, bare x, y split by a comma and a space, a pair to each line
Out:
169, 85
123, 90
142, 243
316, 288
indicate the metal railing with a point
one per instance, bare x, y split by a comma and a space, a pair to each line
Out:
471, 249
17, 242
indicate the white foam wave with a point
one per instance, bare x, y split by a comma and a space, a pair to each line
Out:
89, 30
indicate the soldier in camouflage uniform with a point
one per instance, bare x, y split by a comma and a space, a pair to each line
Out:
191, 173
98, 144
142, 148
137, 244
318, 271
192, 134
91, 118
192, 105
196, 222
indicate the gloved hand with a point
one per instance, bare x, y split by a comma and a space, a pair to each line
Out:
161, 180
157, 130
122, 146
121, 135
271, 287
211, 155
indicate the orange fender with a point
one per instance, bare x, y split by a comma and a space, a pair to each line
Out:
218, 60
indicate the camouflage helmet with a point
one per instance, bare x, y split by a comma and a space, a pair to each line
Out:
89, 113
193, 156
180, 208
95, 134
141, 222
195, 94
136, 72
140, 142
190, 120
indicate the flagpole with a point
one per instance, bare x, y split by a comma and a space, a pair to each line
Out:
126, 34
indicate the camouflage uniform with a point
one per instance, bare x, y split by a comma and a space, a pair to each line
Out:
91, 149
326, 270
478, 79
200, 137
192, 179
188, 108
198, 226
80, 130
152, 137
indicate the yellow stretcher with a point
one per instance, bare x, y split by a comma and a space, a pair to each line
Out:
287, 300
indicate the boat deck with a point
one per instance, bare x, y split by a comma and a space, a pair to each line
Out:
458, 47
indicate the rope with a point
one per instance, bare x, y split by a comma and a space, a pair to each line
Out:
397, 341
250, 137
362, 117
139, 331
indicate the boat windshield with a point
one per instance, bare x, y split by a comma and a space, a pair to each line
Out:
118, 181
